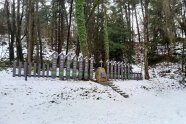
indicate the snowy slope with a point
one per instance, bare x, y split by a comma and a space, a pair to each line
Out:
52, 101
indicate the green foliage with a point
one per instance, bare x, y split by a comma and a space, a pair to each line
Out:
79, 15
106, 40
120, 47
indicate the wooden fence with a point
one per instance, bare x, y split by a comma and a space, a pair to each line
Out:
82, 68
120, 70
72, 68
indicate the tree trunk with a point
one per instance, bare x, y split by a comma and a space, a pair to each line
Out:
146, 41
39, 34
11, 43
70, 18
30, 30
18, 34
169, 25
106, 41
137, 24
79, 15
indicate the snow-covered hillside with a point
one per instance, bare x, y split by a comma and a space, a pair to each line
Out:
52, 101
161, 100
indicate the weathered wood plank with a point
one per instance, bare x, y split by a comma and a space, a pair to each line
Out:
47, 70
61, 66
25, 69
91, 68
20, 68
68, 67
39, 70
74, 67
115, 70
14, 68
80, 73
111, 70
29, 69
43, 70
35, 68
86, 68
108, 67
54, 64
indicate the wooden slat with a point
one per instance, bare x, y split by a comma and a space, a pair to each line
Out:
47, 70
74, 67
25, 69
108, 67
86, 68
54, 64
68, 67
29, 69
35, 68
14, 68
61, 66
80, 73
111, 70
118, 67
20, 66
91, 68
115, 70
39, 70
43, 70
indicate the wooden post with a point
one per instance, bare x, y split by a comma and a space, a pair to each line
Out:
30, 69
74, 67
111, 70
35, 67
129, 76
115, 70
54, 64
68, 67
86, 68
14, 68
20, 65
122, 77
118, 75
47, 70
91, 68
61, 66
39, 69
108, 73
43, 70
125, 71
25, 69
80, 72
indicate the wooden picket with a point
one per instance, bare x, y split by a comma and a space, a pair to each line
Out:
82, 68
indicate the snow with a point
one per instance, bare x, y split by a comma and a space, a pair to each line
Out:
161, 100
52, 101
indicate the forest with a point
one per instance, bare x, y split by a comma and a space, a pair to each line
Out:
92, 61
144, 32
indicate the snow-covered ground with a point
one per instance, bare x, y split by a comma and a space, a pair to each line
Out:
161, 100
52, 101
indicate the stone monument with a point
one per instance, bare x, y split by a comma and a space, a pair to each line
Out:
101, 74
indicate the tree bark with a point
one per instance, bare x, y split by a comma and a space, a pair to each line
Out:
70, 18
30, 30
146, 41
11, 43
39, 33
79, 15
18, 34
137, 24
